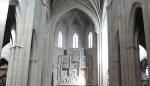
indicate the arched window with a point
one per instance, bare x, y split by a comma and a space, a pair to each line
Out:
90, 40
60, 39
75, 40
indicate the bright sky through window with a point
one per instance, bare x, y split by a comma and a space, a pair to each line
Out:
60, 39
75, 40
90, 39
142, 52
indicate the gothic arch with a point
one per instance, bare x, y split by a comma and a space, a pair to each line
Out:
9, 33
94, 34
77, 23
66, 30
132, 13
81, 8
134, 22
136, 38
60, 27
9, 39
76, 8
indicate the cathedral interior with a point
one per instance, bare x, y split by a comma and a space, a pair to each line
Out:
74, 43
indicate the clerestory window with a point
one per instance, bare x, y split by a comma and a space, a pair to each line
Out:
60, 39
90, 40
75, 40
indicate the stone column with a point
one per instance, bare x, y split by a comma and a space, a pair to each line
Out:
133, 59
12, 63
39, 46
99, 60
113, 44
123, 44
47, 65
25, 54
130, 73
18, 72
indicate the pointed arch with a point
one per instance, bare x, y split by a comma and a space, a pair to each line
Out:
60, 39
90, 40
75, 40
137, 36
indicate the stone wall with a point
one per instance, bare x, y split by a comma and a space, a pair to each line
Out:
123, 68
32, 56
